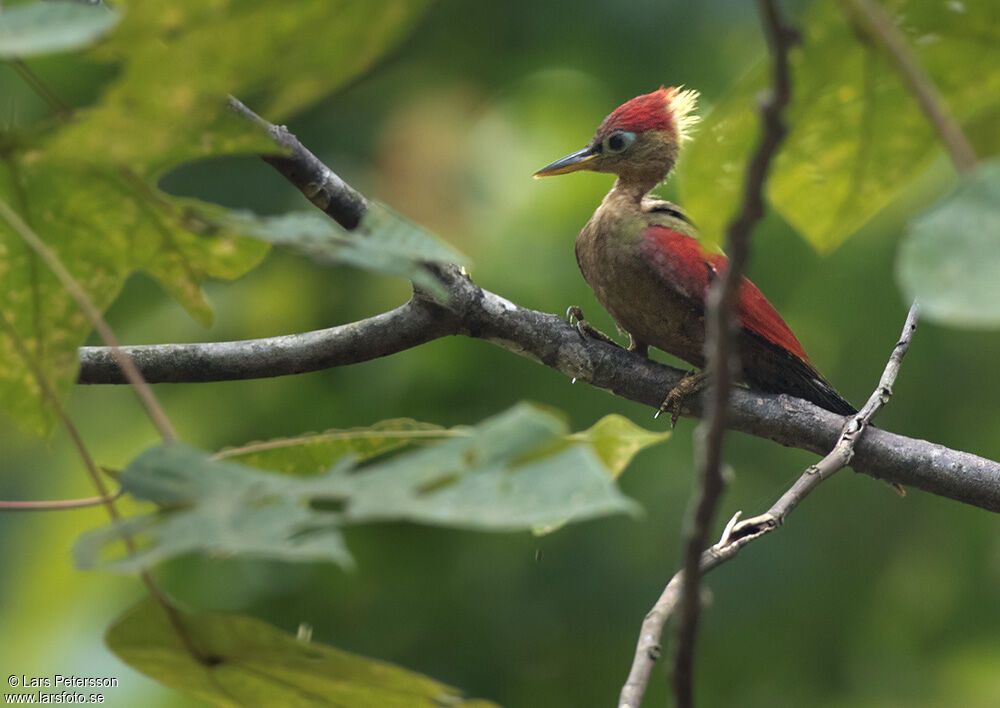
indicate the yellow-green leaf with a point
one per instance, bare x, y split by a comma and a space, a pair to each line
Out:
88, 187
251, 663
103, 225
617, 440
858, 137
183, 57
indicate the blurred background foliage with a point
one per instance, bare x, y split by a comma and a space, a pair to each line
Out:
863, 599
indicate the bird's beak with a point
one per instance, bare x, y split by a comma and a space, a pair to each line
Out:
578, 160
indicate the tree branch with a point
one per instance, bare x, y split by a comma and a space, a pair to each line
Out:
723, 365
410, 325
58, 504
321, 185
474, 312
738, 534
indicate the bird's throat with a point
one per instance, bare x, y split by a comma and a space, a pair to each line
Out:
629, 191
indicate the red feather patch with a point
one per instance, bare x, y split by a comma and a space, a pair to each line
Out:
681, 261
650, 111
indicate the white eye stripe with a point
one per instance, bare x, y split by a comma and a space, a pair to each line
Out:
618, 141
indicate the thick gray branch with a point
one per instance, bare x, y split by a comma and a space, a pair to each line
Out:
409, 325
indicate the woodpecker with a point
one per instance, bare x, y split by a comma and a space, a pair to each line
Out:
642, 258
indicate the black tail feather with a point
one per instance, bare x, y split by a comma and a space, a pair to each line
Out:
771, 368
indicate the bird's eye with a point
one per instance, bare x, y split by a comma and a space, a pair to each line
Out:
618, 141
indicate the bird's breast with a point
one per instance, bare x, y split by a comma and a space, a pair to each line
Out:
612, 261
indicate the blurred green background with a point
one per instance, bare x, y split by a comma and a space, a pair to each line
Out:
863, 599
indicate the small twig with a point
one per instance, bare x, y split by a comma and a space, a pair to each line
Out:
35, 82
878, 25
321, 185
139, 385
105, 498
737, 533
58, 505
843, 452
722, 367
50, 397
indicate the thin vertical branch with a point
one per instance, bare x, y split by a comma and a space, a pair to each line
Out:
879, 26
720, 342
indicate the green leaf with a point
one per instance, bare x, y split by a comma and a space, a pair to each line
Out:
504, 474
217, 508
383, 242
255, 664
313, 453
617, 440
183, 57
88, 186
950, 258
103, 225
49, 27
857, 136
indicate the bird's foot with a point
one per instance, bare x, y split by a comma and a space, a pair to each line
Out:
693, 382
574, 315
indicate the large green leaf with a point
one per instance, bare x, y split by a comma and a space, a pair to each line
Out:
255, 664
511, 472
48, 27
857, 136
88, 187
384, 242
184, 57
103, 225
617, 440
950, 259
218, 508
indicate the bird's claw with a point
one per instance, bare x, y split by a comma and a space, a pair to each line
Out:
692, 382
574, 315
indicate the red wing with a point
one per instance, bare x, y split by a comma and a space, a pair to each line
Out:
683, 264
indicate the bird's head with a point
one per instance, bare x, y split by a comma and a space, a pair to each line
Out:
638, 141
